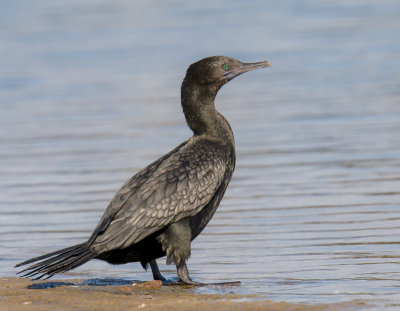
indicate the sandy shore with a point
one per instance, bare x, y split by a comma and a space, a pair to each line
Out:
15, 294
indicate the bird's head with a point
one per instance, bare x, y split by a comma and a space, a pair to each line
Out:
217, 70
201, 84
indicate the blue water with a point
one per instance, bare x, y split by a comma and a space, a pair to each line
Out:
89, 94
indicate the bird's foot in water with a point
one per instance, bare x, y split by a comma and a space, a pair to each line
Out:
157, 276
183, 274
185, 279
194, 283
160, 278
224, 283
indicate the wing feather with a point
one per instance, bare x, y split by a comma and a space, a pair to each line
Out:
127, 191
180, 186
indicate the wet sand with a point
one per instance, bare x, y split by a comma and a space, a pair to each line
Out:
15, 295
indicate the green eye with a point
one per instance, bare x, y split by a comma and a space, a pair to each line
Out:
225, 66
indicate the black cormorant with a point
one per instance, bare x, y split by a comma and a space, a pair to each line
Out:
160, 210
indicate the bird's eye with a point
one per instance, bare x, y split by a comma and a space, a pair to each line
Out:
225, 66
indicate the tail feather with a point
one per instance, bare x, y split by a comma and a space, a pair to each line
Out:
60, 251
59, 261
69, 264
61, 254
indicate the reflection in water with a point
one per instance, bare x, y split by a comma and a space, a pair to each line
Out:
90, 94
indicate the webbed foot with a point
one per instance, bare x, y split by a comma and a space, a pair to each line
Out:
185, 279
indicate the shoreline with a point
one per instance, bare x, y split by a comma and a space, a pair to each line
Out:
15, 295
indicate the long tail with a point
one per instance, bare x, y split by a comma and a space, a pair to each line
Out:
59, 261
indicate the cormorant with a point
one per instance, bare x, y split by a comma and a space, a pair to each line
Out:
166, 205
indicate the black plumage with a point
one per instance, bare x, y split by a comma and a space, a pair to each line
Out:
160, 210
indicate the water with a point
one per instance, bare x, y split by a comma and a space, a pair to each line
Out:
89, 94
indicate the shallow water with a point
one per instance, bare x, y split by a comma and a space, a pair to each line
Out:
89, 94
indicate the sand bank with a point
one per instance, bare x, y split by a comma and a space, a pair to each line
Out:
15, 294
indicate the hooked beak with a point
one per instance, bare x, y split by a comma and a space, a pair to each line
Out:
245, 67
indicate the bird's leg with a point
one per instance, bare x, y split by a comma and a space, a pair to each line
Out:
156, 272
175, 241
183, 274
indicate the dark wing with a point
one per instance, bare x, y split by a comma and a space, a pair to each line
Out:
127, 190
180, 186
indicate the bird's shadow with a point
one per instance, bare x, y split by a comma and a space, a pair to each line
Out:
90, 282
118, 282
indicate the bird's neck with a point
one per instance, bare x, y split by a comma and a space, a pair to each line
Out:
200, 113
